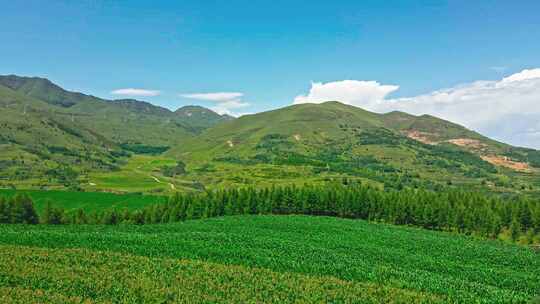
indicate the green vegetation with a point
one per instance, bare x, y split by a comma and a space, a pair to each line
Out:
45, 128
144, 149
51, 138
201, 118
158, 280
329, 141
87, 201
308, 257
464, 212
18, 210
257, 209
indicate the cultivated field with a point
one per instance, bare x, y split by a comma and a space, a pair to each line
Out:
261, 258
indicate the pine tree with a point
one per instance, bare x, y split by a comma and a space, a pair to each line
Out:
496, 226
536, 219
125, 218
174, 215
137, 217
30, 215
110, 217
16, 210
524, 215
47, 213
515, 230
4, 211
229, 207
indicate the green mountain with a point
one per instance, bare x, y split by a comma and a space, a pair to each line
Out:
48, 134
333, 140
201, 117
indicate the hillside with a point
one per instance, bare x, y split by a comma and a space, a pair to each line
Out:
200, 117
263, 258
50, 136
330, 140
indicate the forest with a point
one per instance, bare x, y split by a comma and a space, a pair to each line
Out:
471, 213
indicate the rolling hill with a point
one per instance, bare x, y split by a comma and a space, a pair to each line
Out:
49, 135
332, 140
201, 117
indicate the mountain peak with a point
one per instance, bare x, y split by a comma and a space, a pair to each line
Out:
202, 117
15, 82
44, 89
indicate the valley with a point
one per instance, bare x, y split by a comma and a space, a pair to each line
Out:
190, 204
252, 152
124, 146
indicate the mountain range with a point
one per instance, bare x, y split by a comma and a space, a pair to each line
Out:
51, 136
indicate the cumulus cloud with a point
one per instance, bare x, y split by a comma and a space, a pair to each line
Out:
219, 96
229, 107
523, 75
225, 102
136, 92
507, 109
353, 92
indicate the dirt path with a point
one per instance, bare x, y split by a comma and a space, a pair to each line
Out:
173, 187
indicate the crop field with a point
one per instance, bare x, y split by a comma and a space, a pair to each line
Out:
88, 201
62, 277
261, 259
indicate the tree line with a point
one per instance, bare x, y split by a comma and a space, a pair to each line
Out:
18, 209
450, 210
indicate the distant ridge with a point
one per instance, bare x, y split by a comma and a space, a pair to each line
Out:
48, 134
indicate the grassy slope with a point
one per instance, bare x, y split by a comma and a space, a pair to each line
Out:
88, 201
439, 265
82, 130
30, 128
38, 115
200, 118
316, 130
119, 120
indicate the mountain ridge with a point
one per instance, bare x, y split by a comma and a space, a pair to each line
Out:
44, 130
339, 139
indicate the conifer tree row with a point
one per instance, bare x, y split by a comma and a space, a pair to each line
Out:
18, 210
459, 211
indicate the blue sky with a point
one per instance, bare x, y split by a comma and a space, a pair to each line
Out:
270, 52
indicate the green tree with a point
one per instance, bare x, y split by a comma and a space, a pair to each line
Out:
515, 230
47, 213
110, 217
16, 210
52, 215
80, 217
536, 219
4, 211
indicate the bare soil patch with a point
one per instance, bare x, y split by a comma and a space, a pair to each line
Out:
504, 161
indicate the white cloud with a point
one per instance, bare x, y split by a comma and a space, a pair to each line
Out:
219, 96
225, 102
507, 109
136, 92
229, 106
353, 92
523, 75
